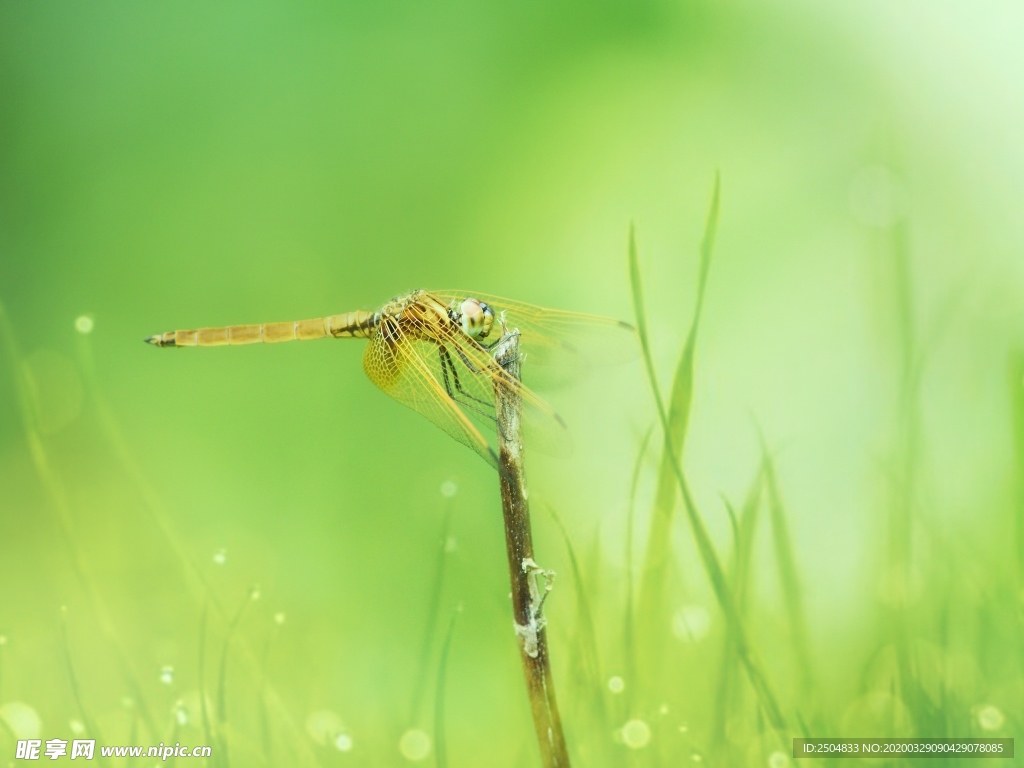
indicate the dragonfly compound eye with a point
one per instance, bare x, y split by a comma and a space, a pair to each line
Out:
476, 318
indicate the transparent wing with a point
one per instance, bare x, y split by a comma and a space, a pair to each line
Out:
393, 364
452, 381
554, 337
469, 374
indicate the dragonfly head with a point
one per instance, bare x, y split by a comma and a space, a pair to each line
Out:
476, 318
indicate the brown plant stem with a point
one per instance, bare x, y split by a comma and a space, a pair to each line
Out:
527, 598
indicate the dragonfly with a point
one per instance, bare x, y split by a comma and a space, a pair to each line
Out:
433, 352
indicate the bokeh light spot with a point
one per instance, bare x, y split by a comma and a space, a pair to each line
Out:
636, 734
414, 745
991, 718
21, 720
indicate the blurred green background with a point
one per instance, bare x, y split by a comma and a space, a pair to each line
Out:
166, 166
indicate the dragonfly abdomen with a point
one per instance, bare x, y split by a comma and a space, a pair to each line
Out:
357, 324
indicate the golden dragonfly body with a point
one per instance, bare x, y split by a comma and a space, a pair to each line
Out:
431, 351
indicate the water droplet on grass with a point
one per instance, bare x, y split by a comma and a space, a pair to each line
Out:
190, 706
167, 675
83, 324
616, 684
778, 759
449, 489
220, 556
279, 618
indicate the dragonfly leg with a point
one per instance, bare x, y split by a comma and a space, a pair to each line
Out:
444, 371
448, 365
473, 369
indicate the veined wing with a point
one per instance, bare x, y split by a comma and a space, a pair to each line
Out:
392, 362
451, 381
478, 377
555, 337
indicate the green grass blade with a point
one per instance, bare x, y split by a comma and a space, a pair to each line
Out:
589, 653
440, 743
659, 540
3, 647
1017, 402
748, 519
901, 510
629, 623
60, 504
789, 577
433, 610
222, 678
199, 585
204, 708
76, 690
709, 558
746, 527
268, 742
